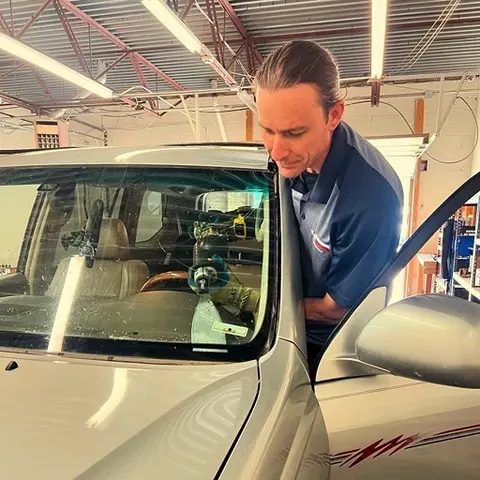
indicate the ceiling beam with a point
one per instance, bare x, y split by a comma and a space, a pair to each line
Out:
229, 10
6, 99
33, 19
353, 31
42, 83
72, 38
18, 66
10, 31
68, 5
66, 25
187, 9
141, 78
4, 25
216, 37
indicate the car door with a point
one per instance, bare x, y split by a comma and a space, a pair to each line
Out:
384, 426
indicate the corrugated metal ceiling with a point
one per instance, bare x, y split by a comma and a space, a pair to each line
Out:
343, 26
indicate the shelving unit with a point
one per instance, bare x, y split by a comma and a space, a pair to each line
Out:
458, 252
473, 292
474, 289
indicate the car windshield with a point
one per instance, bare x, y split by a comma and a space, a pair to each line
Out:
159, 263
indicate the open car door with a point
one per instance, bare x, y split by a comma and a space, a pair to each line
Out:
388, 381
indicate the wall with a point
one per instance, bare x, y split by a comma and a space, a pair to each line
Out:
441, 179
16, 205
16, 139
127, 129
455, 141
476, 154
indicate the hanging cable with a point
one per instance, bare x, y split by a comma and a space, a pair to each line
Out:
474, 143
391, 106
412, 131
406, 63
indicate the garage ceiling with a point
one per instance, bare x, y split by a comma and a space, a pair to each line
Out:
90, 35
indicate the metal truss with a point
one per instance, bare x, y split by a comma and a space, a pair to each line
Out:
226, 60
237, 58
61, 8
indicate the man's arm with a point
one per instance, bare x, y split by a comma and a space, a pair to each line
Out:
364, 241
325, 310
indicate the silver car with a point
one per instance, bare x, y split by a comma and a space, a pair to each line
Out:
152, 328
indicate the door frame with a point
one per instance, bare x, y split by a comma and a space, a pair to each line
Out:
338, 359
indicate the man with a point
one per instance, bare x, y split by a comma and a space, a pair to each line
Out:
347, 198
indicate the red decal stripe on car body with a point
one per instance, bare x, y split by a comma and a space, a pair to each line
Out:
380, 447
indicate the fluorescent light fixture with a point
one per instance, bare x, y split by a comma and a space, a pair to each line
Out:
402, 151
28, 54
172, 22
379, 28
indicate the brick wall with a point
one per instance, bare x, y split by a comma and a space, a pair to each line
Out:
455, 141
16, 139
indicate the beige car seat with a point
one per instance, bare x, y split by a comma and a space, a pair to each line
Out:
113, 275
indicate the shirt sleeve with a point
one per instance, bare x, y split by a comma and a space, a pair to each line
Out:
363, 242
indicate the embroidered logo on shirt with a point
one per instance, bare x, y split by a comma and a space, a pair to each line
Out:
319, 245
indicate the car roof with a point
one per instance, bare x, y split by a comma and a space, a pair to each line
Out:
245, 156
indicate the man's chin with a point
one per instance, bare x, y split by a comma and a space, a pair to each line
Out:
289, 172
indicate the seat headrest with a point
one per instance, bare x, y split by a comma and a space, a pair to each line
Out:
113, 243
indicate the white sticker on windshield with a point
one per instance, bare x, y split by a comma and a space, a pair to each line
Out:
230, 329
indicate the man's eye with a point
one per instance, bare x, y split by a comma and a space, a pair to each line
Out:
294, 134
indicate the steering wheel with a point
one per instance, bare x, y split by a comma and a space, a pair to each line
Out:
161, 279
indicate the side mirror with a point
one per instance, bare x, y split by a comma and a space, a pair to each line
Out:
430, 338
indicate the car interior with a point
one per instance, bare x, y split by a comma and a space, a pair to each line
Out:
133, 282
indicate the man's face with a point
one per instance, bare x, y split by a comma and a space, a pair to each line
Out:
295, 128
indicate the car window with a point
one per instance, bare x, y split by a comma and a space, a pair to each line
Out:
150, 217
203, 289
13, 226
81, 198
228, 201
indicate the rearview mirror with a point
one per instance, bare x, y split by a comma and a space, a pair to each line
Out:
430, 338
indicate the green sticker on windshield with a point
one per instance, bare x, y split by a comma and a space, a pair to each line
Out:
230, 329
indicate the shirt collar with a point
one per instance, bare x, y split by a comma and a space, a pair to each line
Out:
334, 163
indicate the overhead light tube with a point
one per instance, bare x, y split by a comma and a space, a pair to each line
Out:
28, 54
172, 22
378, 34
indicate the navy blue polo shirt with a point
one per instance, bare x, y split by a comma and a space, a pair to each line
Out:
349, 218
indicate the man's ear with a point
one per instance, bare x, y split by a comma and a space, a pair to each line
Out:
335, 115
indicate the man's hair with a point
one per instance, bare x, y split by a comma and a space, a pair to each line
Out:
301, 61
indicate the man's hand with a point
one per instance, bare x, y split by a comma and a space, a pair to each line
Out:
324, 310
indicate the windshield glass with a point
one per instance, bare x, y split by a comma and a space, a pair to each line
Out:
137, 262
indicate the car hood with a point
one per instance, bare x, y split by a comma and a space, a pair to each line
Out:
87, 419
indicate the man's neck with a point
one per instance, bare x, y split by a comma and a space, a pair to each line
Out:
319, 161
315, 169
317, 165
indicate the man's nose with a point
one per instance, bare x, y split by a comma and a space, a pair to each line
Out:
279, 148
